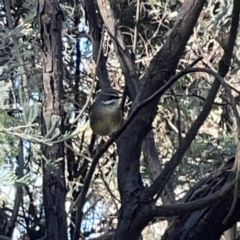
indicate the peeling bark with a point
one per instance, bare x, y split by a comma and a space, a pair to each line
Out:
54, 186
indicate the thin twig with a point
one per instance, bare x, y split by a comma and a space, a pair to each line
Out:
20, 159
224, 64
80, 201
94, 79
81, 204
180, 151
136, 29
197, 96
178, 118
188, 207
106, 185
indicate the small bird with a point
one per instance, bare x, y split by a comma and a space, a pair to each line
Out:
105, 113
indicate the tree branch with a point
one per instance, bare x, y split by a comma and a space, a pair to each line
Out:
96, 38
100, 151
19, 191
124, 56
160, 182
177, 209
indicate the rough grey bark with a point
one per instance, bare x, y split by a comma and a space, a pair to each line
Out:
54, 186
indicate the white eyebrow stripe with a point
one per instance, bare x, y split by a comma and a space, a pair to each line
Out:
110, 101
112, 95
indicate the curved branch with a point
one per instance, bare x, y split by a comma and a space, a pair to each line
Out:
177, 209
80, 201
103, 149
160, 182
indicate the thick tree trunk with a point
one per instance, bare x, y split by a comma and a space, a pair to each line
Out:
136, 211
54, 186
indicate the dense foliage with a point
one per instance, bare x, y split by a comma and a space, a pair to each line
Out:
59, 180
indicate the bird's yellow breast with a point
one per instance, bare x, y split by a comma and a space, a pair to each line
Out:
106, 120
